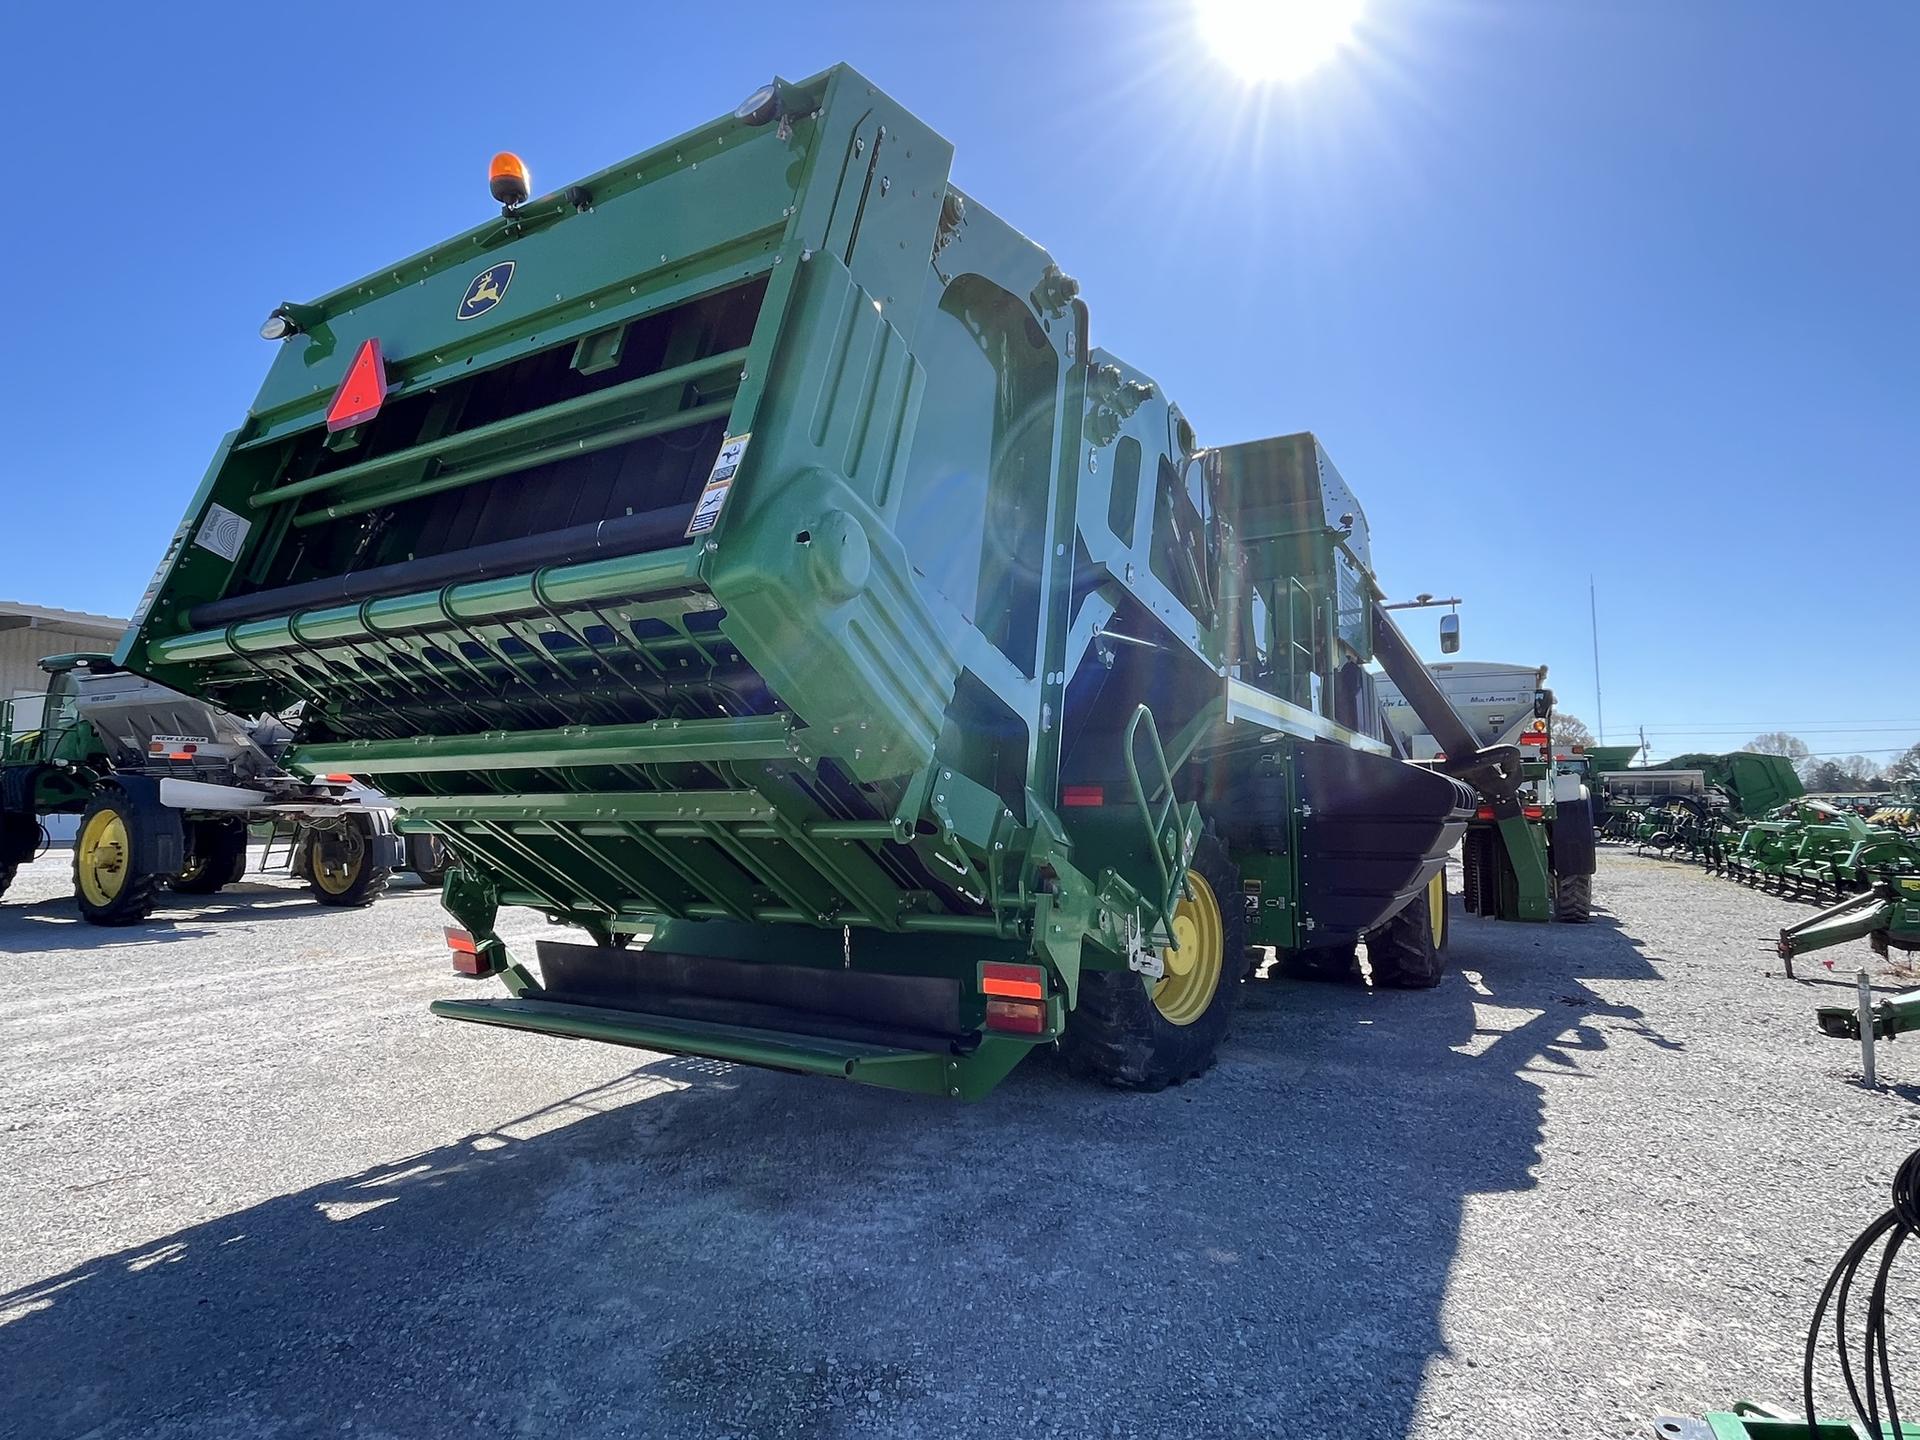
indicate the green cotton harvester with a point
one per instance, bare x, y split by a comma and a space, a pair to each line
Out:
744, 556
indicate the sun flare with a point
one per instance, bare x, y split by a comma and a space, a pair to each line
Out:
1286, 40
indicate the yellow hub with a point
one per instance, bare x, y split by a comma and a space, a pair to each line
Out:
1437, 909
104, 852
1195, 965
337, 859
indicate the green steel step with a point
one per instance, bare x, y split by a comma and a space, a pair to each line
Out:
806, 1054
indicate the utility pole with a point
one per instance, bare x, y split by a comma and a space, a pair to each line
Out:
1599, 709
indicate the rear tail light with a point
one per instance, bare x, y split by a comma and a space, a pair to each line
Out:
1015, 982
1017, 1017
1530, 812
1083, 795
466, 953
1016, 998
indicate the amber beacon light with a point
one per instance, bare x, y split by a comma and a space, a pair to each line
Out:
507, 178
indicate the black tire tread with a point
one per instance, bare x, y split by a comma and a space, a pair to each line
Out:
420, 851
141, 892
226, 863
1116, 1036
368, 886
1573, 899
1401, 953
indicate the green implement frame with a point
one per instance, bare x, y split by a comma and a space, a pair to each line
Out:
772, 576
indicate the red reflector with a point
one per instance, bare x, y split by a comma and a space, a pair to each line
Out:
1485, 812
180, 755
460, 942
338, 779
1020, 1017
1023, 982
1083, 795
362, 392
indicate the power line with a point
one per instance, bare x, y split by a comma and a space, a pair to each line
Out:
1834, 755
1801, 731
1783, 724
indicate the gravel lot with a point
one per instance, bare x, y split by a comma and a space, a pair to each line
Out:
249, 1188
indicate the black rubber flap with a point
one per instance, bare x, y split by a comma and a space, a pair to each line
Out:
902, 1011
1376, 832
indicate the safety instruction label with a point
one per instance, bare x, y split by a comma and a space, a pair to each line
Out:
713, 496
223, 532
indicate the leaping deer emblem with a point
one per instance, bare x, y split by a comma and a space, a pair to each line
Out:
486, 291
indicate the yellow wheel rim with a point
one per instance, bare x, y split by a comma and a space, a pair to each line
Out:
337, 859
104, 850
1437, 908
1194, 967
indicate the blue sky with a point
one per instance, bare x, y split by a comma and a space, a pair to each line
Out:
1624, 289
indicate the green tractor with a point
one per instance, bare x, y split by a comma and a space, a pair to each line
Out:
747, 556
166, 787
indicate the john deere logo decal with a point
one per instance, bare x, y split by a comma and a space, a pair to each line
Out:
488, 289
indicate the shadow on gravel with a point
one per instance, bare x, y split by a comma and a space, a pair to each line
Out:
57, 925
696, 1249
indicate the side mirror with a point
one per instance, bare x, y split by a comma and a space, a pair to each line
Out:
1449, 634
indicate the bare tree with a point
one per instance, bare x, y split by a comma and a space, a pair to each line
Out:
1907, 766
1778, 742
1843, 773
1570, 730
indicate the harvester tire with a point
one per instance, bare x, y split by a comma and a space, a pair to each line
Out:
216, 857
19, 839
1408, 952
340, 865
1328, 962
108, 883
1573, 898
427, 857
1139, 1034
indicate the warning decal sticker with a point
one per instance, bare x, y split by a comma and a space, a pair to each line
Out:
713, 496
223, 532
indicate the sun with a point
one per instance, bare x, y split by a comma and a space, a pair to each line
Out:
1287, 40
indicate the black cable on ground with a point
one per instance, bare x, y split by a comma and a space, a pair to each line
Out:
1875, 1366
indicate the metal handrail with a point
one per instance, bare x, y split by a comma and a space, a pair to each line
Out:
1156, 824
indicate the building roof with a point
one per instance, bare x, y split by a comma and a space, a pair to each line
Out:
16, 616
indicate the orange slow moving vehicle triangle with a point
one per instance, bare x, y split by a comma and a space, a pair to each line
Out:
362, 392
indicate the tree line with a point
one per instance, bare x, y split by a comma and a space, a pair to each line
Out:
1819, 773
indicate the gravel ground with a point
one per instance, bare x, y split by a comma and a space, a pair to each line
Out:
248, 1188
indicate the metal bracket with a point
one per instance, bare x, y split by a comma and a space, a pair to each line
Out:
1141, 957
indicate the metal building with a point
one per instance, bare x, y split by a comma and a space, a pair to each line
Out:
29, 631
